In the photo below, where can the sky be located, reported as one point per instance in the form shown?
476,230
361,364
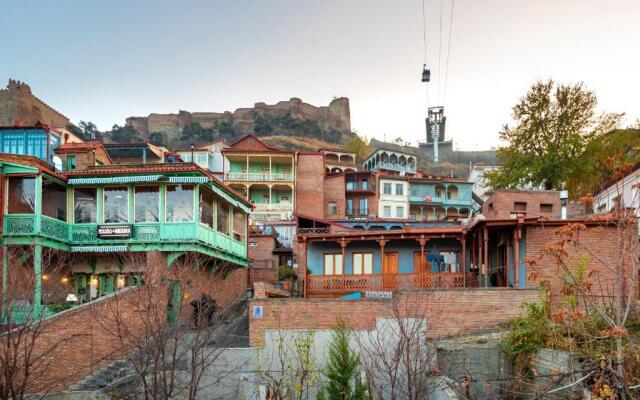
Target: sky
103,61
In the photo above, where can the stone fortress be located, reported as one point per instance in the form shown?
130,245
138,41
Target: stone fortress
18,104
336,115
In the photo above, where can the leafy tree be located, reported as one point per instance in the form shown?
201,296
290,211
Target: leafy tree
225,128
400,141
261,125
196,133
158,138
124,134
554,124
359,146
343,382
90,131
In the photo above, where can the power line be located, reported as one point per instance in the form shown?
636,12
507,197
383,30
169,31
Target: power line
446,70
424,31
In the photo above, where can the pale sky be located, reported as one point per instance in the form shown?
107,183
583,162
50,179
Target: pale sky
103,61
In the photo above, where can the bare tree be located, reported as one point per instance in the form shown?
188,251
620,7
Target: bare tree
171,349
26,348
399,355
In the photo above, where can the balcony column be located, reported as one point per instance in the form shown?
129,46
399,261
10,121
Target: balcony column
507,261
270,194
485,236
37,270
516,257
463,260
270,171
305,247
5,274
247,169
382,243
422,243
343,250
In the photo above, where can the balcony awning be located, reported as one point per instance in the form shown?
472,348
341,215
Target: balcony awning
98,249
114,179
137,179
188,179
230,199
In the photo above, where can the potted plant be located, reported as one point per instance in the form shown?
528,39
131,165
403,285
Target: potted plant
286,276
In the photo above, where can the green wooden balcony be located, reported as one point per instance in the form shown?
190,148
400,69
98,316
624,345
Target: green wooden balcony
18,226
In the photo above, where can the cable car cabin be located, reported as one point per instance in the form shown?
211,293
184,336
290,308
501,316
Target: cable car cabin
426,74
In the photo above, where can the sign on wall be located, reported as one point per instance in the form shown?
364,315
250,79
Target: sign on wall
114,231
258,311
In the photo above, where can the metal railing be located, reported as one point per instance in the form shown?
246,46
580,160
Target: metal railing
259,176
273,207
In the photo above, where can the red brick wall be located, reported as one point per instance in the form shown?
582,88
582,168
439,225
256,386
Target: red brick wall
448,312
334,187
263,251
83,339
309,184
501,204
599,240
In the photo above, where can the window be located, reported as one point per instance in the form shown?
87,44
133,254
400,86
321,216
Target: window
351,185
349,206
21,194
387,211
239,224
85,208
206,208
399,189
201,158
265,199
399,212
364,183
362,263
386,188
179,203
71,162
222,209
333,264
332,209
520,206
284,199
147,203
546,208
363,206
116,205
54,200
286,171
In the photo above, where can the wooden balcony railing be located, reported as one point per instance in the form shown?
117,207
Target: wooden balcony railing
343,284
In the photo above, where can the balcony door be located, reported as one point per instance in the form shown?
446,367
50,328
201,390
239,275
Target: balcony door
390,271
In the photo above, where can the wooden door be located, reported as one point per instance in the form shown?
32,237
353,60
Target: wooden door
390,271
421,270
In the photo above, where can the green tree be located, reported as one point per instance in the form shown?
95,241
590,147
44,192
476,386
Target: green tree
553,125
359,146
90,131
124,134
261,125
194,132
158,138
343,382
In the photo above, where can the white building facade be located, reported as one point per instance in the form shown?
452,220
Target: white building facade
393,201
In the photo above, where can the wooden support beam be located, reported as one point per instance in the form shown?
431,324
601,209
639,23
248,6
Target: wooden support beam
463,261
37,270
485,237
516,257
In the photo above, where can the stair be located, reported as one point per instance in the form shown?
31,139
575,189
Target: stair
104,377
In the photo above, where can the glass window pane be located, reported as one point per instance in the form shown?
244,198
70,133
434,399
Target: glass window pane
328,264
357,264
239,224
147,202
22,195
179,203
338,264
206,207
54,200
116,205
222,208
85,205
368,263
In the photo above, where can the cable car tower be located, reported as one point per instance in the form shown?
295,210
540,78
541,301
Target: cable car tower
435,121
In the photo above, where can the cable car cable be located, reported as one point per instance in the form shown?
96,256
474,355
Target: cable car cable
440,52
446,68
